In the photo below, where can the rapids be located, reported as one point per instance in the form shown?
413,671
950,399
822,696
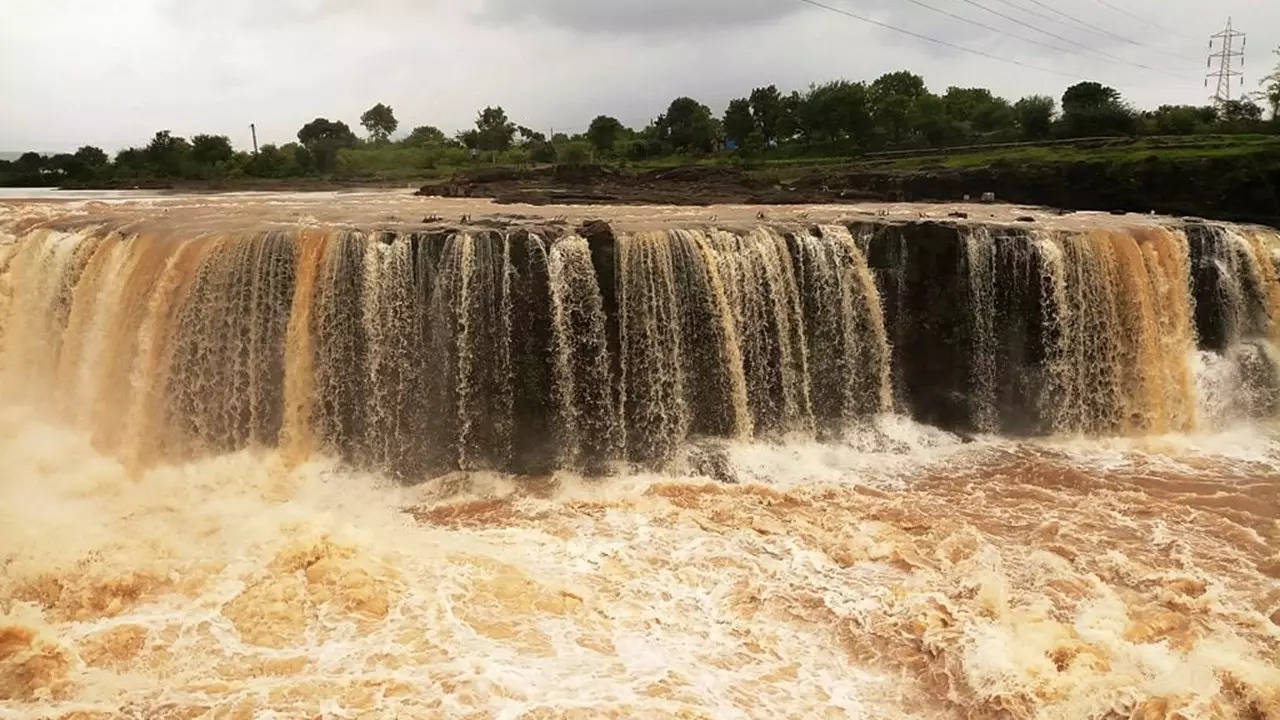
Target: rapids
304,456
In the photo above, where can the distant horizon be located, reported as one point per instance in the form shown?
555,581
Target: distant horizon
200,66
406,126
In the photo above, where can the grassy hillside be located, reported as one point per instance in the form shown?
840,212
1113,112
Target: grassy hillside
397,164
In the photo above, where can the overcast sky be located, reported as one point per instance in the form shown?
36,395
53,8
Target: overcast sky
112,72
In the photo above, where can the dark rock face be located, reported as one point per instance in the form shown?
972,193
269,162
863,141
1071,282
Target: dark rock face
919,269
1207,281
1223,188
925,277
533,405
604,257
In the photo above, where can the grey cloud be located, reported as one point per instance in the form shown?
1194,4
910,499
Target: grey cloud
289,12
217,65
629,17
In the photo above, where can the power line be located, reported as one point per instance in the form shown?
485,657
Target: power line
1141,19
1109,56
1027,10
935,41
1024,38
1082,23
1099,30
985,26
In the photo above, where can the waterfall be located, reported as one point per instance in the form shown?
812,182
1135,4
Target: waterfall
588,430
1087,332
764,302
529,350
1237,287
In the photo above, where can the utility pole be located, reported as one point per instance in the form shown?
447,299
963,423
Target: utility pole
254,131
1226,60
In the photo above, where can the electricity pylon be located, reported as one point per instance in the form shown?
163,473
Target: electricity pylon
1226,61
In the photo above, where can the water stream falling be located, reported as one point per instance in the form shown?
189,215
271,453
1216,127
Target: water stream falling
293,466
400,351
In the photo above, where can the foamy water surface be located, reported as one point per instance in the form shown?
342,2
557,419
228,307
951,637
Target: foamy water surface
900,573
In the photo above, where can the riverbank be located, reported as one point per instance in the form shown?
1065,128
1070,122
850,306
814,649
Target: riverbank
1218,178
1222,177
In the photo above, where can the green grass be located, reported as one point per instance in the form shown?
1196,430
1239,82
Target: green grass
410,164
1183,148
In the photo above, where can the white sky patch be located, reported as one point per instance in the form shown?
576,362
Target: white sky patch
112,73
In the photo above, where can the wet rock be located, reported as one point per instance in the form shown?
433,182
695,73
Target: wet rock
712,460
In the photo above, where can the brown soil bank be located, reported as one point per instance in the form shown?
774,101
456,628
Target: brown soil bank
1241,188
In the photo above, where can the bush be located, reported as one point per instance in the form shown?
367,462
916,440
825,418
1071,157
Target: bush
575,153
636,150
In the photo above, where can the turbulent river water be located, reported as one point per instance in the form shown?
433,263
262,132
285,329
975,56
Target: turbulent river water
336,456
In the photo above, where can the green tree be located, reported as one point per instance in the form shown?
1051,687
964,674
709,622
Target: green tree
529,136
426,135
575,153
604,132
1179,119
536,146
322,129
29,163
380,121
269,162
902,82
1240,112
541,151
893,97
838,112
687,126
167,155
494,131
789,121
70,166
1090,108
92,157
323,138
931,122
768,111
302,161
211,149
131,162
738,122
1088,96
978,110
1034,115
1270,93
66,165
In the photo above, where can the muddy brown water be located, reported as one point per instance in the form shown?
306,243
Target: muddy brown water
889,569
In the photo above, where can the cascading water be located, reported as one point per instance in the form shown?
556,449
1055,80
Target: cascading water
201,410
414,353
1237,288
490,349
1103,317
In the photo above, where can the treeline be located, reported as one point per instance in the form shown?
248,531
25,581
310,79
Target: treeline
840,118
